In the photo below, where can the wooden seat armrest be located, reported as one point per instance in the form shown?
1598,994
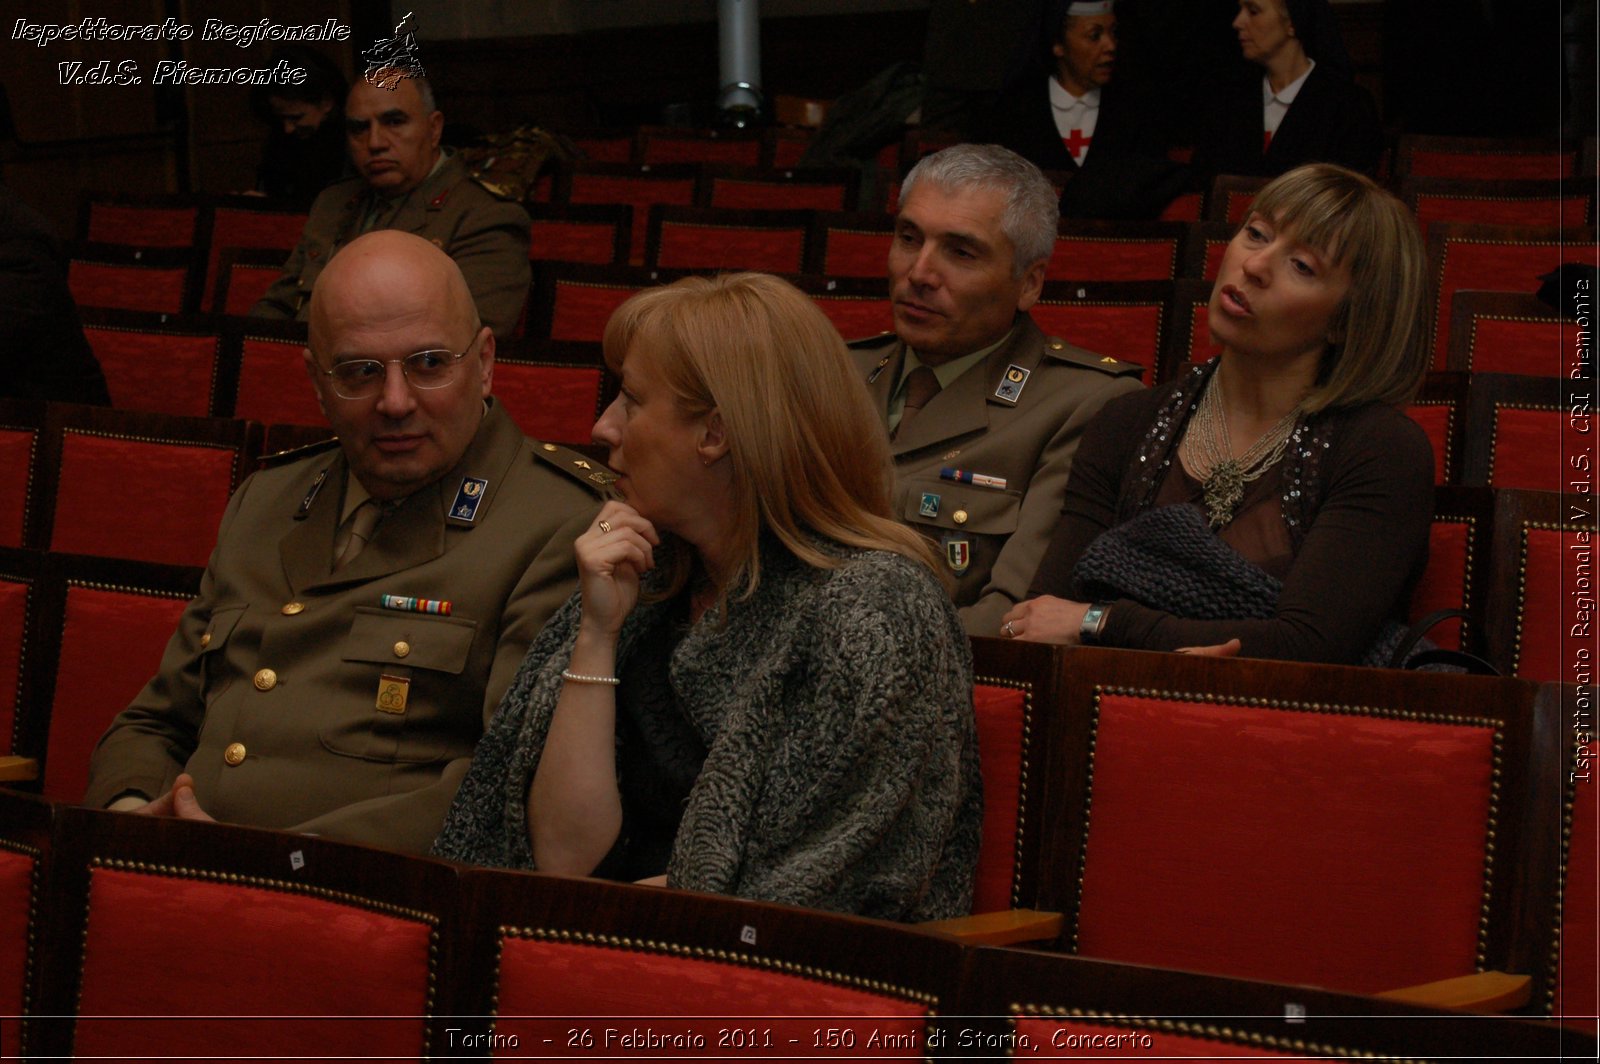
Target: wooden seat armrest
15,769
998,928
1479,992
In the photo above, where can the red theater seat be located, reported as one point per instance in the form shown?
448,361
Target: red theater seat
19,577
1440,408
1541,598
157,280
1231,196
1526,432
140,221
573,302
243,277
638,187
1116,251
264,374
245,222
1458,564
747,189
598,233
1484,158
555,395
25,830
20,427
1510,332
1520,203
1120,320
153,362
667,144
692,238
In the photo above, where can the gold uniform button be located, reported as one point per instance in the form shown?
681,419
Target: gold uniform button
292,608
402,648
549,446
959,517
266,680
1056,345
205,640
234,754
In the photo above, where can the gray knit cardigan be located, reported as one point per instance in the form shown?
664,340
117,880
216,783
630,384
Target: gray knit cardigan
842,764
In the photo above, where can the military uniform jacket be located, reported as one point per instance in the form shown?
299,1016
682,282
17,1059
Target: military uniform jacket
991,539
487,236
269,691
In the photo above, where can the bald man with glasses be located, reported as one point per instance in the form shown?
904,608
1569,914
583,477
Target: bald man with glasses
367,602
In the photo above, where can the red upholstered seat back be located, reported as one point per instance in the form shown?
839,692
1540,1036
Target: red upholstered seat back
15,590
111,643
856,316
1485,262
1106,259
1517,345
1435,420
556,403
637,192
146,499
159,289
1184,208
232,227
1002,733
1553,617
204,953
1340,849
690,993
747,194
567,240
1127,331
606,149
660,147
1501,165
242,285
856,252
1529,449
1501,210
17,446
582,308
272,383
731,247
1445,585
142,226
155,369
18,902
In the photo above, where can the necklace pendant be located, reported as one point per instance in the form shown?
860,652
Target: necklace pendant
1224,488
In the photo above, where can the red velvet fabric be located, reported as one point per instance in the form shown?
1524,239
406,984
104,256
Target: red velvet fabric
1492,166
1444,583
573,241
16,454
1549,624
1048,1038
1532,348
775,196
272,384
16,901
668,149
544,985
693,247
1435,421
1083,258
204,956
1490,264
788,151
1239,205
638,193
999,711
855,317
1579,999
1186,208
100,284
147,227
1551,210
1215,249
233,228
156,371
555,403
13,628
582,310
606,149
856,254
1131,333
110,645
154,502
1528,449
246,286
1344,851
1201,345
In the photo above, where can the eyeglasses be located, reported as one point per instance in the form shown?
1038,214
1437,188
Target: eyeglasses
363,378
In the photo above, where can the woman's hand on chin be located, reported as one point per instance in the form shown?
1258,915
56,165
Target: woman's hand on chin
1046,619
613,554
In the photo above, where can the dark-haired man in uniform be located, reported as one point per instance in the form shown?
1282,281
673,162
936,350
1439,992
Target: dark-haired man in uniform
367,603
405,181
985,410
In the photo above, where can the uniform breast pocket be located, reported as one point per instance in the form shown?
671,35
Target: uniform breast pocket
405,672
939,506
213,641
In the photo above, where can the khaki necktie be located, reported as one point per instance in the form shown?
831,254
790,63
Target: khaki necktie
921,386
355,532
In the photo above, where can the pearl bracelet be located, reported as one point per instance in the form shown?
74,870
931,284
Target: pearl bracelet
578,677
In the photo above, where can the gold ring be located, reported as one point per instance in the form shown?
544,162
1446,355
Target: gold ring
605,526
1011,633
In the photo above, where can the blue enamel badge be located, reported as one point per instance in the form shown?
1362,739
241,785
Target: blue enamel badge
1010,389
930,505
468,496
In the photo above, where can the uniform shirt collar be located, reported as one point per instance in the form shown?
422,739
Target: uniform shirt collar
1062,100
1290,91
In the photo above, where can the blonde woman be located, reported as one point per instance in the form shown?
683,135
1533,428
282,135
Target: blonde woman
1275,496
761,687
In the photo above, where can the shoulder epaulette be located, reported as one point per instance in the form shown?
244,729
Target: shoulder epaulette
871,341
589,472
1066,352
294,454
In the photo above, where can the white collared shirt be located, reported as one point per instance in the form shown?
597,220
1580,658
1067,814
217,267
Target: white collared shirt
1274,105
1075,115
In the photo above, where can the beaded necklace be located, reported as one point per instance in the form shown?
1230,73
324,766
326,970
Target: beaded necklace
1207,454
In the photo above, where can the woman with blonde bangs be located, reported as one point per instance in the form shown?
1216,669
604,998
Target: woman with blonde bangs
1275,501
761,687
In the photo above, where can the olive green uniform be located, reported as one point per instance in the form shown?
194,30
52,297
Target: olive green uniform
269,693
485,235
1024,433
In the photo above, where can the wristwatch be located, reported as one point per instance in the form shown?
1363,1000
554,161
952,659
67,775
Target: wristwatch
1094,623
